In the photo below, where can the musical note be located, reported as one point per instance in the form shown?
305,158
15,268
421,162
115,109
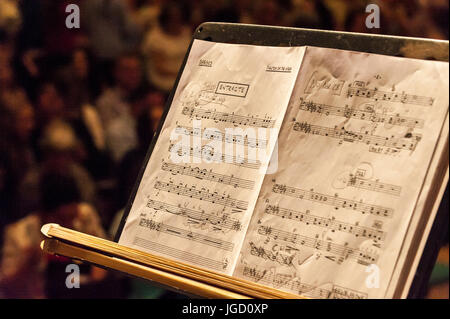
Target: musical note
202,194
375,186
263,253
329,223
366,115
228,117
223,221
186,234
358,89
408,142
180,254
335,201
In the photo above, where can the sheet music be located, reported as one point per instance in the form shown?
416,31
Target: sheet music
354,149
202,181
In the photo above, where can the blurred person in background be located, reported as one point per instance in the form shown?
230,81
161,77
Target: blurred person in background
145,13
111,32
29,46
17,121
16,126
419,18
55,143
311,14
165,46
117,108
80,88
10,90
60,149
44,43
133,160
50,107
25,271
83,121
10,17
79,81
59,41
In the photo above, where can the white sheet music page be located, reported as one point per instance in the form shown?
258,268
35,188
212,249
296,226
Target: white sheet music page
202,181
354,149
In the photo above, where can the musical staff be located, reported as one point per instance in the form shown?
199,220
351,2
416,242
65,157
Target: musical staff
196,216
291,283
342,251
335,201
409,142
206,152
375,186
202,194
180,254
329,223
204,174
358,89
368,114
228,117
186,234
216,135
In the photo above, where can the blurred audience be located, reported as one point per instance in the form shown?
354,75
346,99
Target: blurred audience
110,29
26,272
116,107
165,46
79,107
17,119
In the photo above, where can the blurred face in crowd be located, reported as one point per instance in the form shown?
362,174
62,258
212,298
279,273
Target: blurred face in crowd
50,102
24,123
6,75
80,64
5,53
128,73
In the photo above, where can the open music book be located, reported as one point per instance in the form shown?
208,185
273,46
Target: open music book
313,171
